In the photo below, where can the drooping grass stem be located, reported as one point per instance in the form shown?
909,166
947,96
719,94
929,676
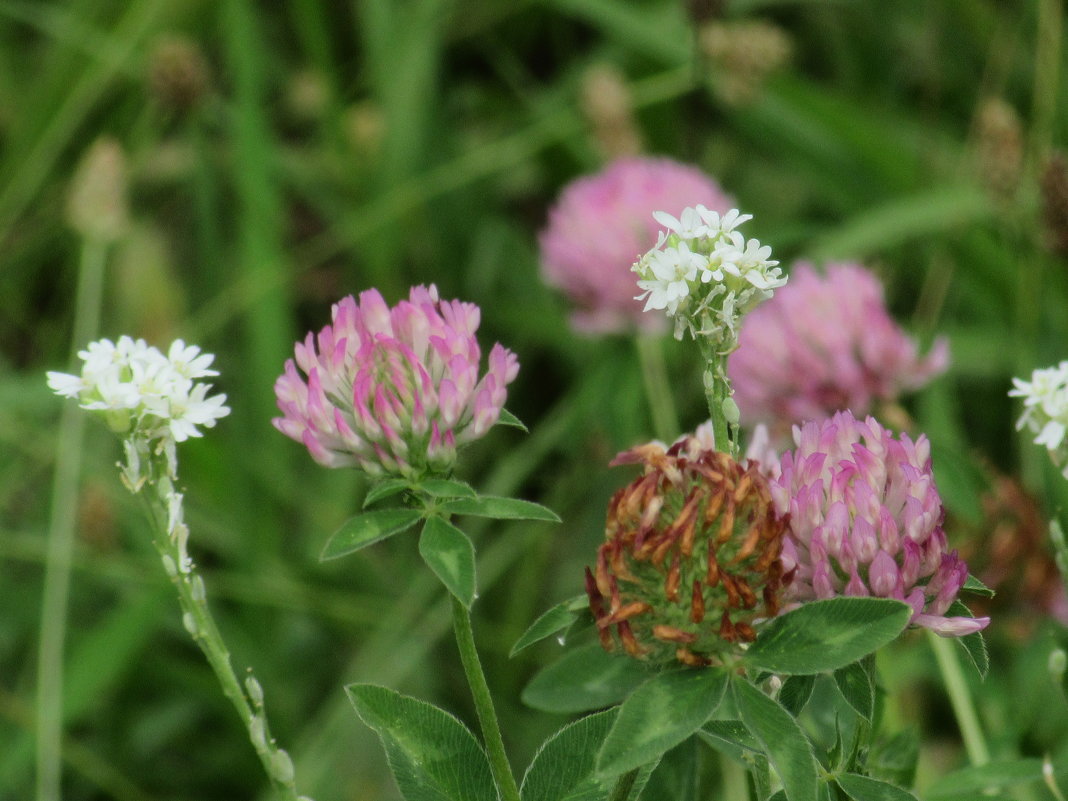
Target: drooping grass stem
657,387
61,536
960,698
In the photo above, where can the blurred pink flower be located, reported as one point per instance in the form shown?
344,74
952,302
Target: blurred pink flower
824,344
393,391
603,223
866,519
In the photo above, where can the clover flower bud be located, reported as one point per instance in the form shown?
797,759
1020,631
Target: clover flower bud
690,562
865,519
706,275
823,344
393,391
601,223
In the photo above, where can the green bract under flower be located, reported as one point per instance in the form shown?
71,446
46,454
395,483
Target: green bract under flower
690,561
706,275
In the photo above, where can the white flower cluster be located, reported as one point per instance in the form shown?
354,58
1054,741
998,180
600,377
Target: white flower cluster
706,275
1045,399
139,390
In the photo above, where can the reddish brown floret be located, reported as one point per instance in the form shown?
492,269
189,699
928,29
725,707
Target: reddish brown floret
695,519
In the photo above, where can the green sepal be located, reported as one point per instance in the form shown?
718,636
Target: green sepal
432,755
974,644
976,587
795,692
386,488
564,766
894,760
449,552
863,788
825,635
499,508
559,618
659,715
446,488
368,528
508,419
584,678
856,684
782,739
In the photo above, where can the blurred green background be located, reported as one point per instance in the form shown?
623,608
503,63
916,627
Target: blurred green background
280,155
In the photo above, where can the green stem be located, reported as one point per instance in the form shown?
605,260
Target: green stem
1047,77
487,716
735,783
200,623
657,388
49,722
717,392
625,783
960,698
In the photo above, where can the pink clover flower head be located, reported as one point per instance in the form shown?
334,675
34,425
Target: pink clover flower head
393,391
822,344
866,520
603,223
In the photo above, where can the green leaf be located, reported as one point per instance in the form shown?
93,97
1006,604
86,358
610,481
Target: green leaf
676,775
563,768
826,635
499,508
367,528
659,715
433,756
446,488
385,488
970,782
974,644
861,788
894,760
509,419
732,738
559,618
795,692
976,587
585,678
855,684
451,555
783,741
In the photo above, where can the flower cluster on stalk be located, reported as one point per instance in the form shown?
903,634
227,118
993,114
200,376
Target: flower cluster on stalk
150,399
703,273
393,391
690,560
865,519
1045,399
153,401
601,224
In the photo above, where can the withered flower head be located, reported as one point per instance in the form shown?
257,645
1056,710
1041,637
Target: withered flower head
690,560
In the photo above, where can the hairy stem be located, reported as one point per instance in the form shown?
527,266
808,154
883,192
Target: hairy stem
199,622
487,715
